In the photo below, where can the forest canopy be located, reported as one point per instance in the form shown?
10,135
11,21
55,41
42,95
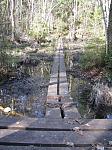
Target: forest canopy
26,20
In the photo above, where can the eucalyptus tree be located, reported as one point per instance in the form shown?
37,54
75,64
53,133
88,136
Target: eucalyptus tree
109,32
105,7
36,17
4,18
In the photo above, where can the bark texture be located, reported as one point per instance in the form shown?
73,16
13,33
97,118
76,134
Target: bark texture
109,30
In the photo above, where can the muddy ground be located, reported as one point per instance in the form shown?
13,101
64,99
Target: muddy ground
88,88
25,90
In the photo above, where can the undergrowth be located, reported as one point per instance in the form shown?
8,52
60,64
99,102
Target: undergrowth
94,54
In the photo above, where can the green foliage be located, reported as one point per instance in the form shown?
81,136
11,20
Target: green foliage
90,18
39,32
64,10
62,28
109,75
7,59
94,55
4,57
108,60
65,1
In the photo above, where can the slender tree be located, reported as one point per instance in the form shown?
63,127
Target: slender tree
109,31
12,17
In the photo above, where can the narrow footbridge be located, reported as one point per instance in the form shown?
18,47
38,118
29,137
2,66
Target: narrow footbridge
62,128
59,102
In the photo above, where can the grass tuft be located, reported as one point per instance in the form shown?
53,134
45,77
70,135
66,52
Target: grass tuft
94,54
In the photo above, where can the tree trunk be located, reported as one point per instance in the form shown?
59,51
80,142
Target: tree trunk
31,13
75,11
12,17
109,30
44,9
105,10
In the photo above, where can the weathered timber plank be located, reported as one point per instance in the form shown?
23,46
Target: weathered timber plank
63,78
56,138
52,89
70,112
46,123
53,113
61,124
34,148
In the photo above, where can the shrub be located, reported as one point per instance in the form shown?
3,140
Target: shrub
94,55
39,32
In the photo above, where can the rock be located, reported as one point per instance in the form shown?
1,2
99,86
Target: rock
7,110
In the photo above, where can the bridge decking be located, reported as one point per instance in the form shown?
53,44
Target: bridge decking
55,133
62,128
58,90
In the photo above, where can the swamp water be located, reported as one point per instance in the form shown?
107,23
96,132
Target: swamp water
81,90
26,94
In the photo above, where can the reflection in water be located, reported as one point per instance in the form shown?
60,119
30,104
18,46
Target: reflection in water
79,95
43,69
77,87
27,94
80,90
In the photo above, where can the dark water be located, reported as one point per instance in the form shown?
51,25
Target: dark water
26,93
80,95
80,90
77,87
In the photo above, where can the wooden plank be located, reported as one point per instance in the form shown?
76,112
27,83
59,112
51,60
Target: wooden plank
97,124
70,112
63,78
34,148
46,123
53,113
59,81
54,138
61,124
90,133
52,89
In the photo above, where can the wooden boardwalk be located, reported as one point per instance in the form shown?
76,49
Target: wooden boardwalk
62,128
59,103
62,134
